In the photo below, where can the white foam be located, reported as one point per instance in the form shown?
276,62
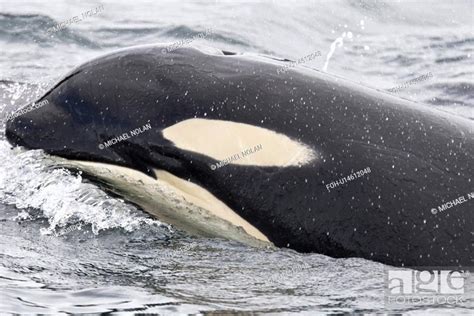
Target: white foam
27,182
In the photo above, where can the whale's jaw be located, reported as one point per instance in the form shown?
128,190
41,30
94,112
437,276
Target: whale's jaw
175,201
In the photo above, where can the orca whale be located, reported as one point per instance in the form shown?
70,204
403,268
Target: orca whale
224,144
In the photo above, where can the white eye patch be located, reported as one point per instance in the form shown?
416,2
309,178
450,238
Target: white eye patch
238,143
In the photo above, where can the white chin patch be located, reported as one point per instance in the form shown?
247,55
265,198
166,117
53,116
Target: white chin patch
238,143
173,200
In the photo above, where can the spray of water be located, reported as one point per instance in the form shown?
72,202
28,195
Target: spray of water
339,42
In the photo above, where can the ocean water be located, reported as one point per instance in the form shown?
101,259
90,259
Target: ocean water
66,246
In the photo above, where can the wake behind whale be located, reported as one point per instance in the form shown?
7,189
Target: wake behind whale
314,129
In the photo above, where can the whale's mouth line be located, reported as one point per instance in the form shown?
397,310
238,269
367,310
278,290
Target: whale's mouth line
171,199
13,138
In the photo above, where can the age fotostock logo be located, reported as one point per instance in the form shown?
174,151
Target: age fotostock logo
425,286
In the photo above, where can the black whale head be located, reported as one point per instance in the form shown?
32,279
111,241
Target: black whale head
114,95
103,100
177,93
